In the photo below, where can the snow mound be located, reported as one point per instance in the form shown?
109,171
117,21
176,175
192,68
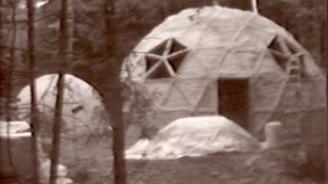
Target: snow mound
13,127
194,136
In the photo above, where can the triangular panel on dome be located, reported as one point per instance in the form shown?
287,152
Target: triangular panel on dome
316,92
192,88
265,97
210,57
268,65
208,99
192,35
239,62
230,29
243,24
290,99
250,32
192,67
175,99
210,39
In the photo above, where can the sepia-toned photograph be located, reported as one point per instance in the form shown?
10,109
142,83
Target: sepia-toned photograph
163,91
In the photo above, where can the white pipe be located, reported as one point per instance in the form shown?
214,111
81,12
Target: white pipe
254,6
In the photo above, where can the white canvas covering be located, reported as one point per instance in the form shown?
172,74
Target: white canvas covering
81,102
194,136
183,58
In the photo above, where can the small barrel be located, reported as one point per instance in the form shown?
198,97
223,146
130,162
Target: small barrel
273,131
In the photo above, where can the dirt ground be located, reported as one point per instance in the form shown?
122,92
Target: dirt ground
91,164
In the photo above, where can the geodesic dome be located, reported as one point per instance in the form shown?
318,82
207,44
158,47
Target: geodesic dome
83,111
216,60
193,137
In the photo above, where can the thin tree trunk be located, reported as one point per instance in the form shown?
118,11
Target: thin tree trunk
1,64
34,118
9,87
113,99
118,137
64,52
323,43
110,32
57,129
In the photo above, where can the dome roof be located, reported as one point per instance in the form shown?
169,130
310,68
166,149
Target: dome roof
217,37
186,59
215,26
195,136
81,107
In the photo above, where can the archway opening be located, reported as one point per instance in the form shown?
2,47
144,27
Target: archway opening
86,131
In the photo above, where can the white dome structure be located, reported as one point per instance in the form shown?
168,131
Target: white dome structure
216,60
82,105
194,137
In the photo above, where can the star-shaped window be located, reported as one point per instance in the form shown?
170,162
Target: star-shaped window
164,60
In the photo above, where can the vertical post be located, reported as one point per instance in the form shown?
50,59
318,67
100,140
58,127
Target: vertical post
254,6
273,133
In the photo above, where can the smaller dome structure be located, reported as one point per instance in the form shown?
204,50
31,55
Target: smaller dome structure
83,111
196,136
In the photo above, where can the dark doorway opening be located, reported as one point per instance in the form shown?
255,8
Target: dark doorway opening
233,100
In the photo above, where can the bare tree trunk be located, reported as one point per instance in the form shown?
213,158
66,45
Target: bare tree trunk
110,32
9,86
323,43
57,129
118,135
34,118
65,51
1,63
113,99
